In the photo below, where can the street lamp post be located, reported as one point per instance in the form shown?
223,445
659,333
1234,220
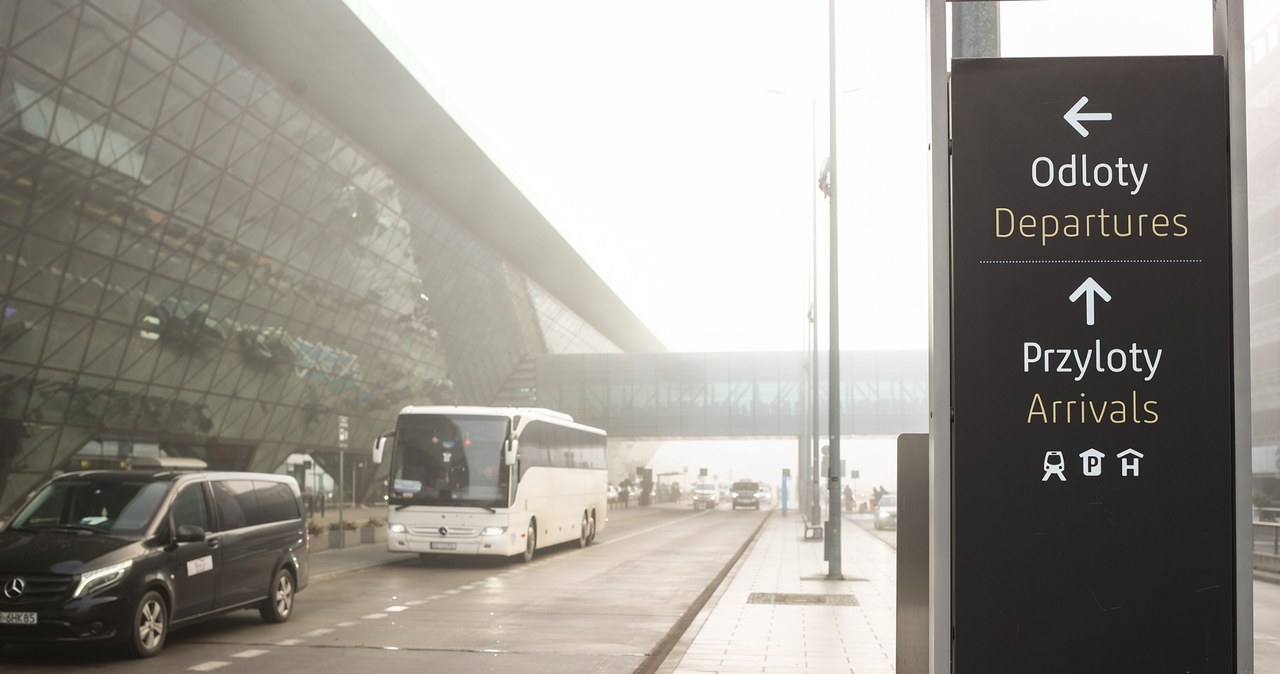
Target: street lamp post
815,510
832,541
808,487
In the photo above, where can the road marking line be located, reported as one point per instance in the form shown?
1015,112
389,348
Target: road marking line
208,666
318,633
395,609
375,616
251,653
346,624
290,642
645,531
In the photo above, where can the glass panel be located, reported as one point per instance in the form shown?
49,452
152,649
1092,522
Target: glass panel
99,75
39,271
164,33
106,348
83,287
125,12
41,39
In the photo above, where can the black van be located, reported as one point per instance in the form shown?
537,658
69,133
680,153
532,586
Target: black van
745,494
125,556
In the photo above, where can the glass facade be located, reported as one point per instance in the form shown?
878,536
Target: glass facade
191,259
734,394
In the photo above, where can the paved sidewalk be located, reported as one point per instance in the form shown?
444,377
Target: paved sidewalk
766,618
328,563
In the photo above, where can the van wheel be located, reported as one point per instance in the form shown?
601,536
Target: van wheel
150,625
278,605
530,542
584,530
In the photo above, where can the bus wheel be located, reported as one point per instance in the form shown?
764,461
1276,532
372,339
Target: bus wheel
592,539
584,531
530,542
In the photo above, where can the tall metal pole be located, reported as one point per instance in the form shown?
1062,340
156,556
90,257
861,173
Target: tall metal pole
833,420
342,523
815,509
940,544
1229,42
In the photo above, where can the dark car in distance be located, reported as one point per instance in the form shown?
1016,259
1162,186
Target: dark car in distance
745,494
123,557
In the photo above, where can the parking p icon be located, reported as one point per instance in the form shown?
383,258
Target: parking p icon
1092,460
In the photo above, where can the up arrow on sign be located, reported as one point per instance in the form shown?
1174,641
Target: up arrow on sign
1089,289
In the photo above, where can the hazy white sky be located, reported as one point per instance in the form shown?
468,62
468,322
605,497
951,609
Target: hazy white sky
674,143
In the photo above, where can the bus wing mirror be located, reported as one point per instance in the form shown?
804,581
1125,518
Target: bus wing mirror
509,452
379,445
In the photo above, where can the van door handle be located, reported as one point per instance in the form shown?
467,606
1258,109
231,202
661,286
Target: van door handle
213,543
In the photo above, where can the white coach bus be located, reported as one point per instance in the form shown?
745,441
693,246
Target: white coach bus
492,480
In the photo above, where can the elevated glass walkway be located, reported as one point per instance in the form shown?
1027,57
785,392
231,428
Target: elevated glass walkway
725,395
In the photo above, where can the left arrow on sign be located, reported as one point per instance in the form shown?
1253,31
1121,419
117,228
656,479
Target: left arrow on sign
1074,117
1089,289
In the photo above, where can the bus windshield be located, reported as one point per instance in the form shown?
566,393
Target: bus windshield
446,459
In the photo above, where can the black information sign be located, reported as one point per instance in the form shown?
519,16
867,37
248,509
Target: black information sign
1092,378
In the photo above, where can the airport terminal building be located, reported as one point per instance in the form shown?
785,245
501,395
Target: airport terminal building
236,231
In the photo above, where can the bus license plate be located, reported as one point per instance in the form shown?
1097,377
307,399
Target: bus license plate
444,546
12,618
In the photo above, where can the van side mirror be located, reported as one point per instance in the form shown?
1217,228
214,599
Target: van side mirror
509,452
189,533
380,445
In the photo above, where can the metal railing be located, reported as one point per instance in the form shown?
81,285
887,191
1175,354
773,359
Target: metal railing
1266,538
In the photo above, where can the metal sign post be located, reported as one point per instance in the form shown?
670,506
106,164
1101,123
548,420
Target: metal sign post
342,446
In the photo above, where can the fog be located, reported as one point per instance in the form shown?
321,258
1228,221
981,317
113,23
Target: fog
875,459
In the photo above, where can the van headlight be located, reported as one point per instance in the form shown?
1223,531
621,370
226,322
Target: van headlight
398,529
493,531
98,579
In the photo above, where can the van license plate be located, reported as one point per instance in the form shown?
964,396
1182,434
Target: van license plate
11,618
444,546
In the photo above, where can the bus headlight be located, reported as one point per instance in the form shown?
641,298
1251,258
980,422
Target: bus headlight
493,531
398,529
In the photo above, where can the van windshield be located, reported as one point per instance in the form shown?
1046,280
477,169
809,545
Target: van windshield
95,505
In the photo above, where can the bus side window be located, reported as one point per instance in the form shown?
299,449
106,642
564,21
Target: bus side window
532,448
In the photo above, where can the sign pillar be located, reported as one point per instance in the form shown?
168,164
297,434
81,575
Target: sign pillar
1092,372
